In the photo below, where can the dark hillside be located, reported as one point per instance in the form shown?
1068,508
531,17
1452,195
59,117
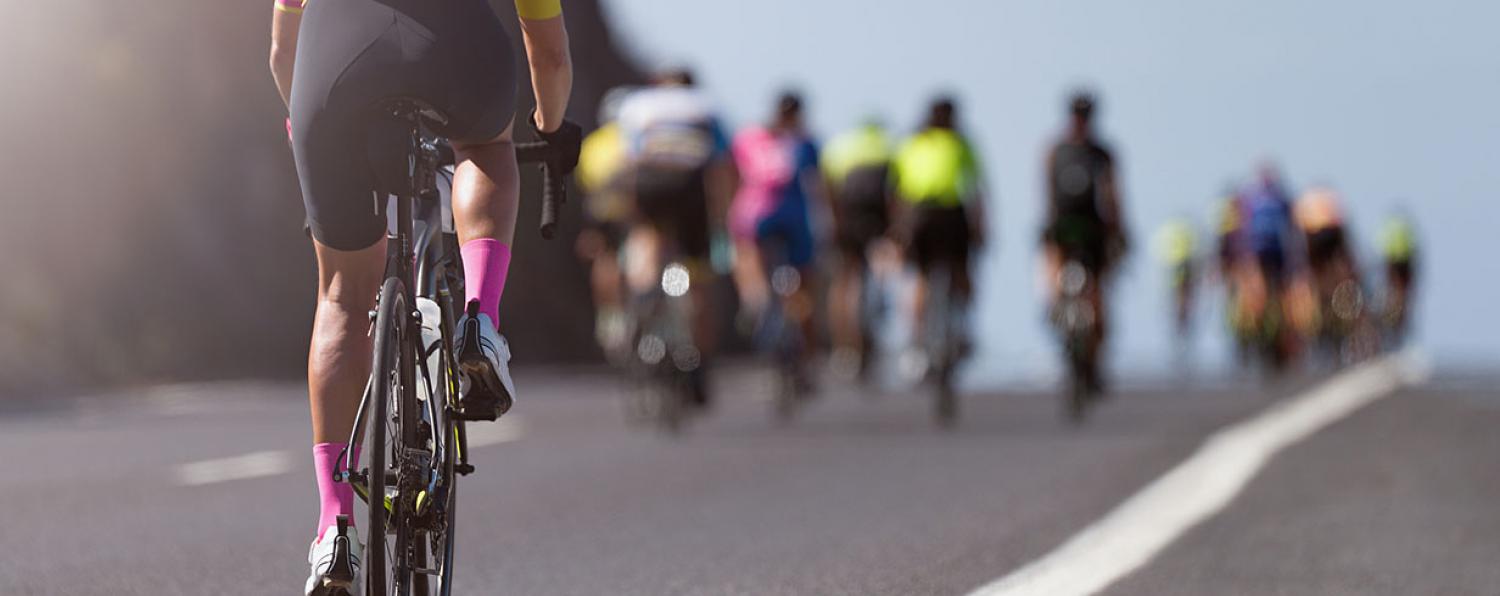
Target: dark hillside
152,224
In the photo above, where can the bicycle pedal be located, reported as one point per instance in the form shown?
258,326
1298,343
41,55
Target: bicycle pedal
463,469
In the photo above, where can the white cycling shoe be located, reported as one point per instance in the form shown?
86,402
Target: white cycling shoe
336,562
486,391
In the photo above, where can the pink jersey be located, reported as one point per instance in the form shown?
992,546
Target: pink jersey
769,165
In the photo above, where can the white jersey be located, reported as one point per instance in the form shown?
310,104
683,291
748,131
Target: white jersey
671,126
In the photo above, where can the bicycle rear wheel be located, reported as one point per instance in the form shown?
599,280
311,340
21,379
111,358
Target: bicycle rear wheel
390,323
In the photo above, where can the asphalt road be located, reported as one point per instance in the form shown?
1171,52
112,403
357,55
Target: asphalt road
861,495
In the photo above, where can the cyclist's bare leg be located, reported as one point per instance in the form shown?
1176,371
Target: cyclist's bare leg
338,364
338,361
919,306
750,277
1052,263
486,189
604,280
803,304
642,259
844,306
486,195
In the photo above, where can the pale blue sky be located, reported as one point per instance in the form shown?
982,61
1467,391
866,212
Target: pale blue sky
1394,103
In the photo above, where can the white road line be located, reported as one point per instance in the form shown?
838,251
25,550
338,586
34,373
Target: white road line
271,463
1141,527
250,465
504,430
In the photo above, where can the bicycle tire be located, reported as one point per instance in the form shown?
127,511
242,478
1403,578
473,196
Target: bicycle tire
390,314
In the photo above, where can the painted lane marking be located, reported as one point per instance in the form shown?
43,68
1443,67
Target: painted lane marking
1128,537
504,430
240,467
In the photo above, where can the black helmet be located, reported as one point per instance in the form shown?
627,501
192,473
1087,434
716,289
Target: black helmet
1082,103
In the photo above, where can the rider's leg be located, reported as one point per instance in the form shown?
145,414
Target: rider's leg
1052,263
750,277
338,362
844,305
486,194
643,259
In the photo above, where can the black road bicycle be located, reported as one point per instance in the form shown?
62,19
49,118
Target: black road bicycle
415,437
1076,323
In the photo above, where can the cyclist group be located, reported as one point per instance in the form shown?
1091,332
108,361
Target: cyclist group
667,182
758,205
1293,277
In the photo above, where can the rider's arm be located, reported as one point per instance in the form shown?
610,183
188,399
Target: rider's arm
1050,184
284,24
723,176
975,207
1110,204
546,39
816,185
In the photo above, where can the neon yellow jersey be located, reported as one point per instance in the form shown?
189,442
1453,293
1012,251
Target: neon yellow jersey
936,167
601,161
538,10
1230,219
865,146
1176,242
601,157
1398,241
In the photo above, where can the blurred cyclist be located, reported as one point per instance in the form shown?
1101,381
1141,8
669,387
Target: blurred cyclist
1332,271
856,165
770,219
350,55
1085,220
1320,216
1398,246
603,176
682,176
938,181
1176,246
1266,273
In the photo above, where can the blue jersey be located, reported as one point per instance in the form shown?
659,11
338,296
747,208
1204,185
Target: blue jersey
1268,218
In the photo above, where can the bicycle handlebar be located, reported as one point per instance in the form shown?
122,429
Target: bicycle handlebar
554,186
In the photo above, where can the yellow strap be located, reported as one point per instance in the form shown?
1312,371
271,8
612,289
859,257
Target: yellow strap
539,10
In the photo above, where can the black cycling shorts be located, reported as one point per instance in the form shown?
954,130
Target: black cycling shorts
940,235
1080,238
453,55
1324,245
675,201
863,214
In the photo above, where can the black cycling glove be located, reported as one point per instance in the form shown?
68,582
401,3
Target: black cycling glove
565,144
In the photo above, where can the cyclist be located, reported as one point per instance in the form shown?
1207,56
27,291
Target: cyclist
937,179
603,176
770,219
1398,246
1176,245
1320,218
678,152
1085,220
856,166
332,65
1232,264
1269,265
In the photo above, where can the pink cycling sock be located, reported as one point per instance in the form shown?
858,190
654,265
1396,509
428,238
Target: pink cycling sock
486,262
334,498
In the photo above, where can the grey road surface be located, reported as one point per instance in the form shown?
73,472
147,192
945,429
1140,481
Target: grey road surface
861,495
